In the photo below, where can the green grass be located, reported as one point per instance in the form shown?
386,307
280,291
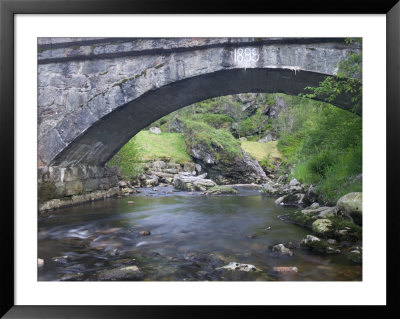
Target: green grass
219,142
145,147
261,151
164,146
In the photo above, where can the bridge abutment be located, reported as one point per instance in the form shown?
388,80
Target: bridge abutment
56,182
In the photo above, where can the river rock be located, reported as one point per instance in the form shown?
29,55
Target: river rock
314,243
309,239
191,183
275,189
351,204
321,226
294,182
240,267
155,130
150,181
120,273
145,233
280,250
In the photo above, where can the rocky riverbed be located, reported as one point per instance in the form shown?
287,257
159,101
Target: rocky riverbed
161,233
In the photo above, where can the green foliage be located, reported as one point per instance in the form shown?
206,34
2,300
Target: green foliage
323,142
348,80
127,160
219,142
252,125
215,120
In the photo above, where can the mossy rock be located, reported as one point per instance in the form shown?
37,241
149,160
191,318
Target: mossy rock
314,243
351,204
303,219
321,226
344,230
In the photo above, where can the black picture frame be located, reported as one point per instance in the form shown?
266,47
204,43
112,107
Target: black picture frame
8,10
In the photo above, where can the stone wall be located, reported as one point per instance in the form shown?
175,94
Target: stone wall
59,182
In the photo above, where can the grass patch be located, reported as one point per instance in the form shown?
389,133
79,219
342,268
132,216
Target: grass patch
145,147
164,146
261,151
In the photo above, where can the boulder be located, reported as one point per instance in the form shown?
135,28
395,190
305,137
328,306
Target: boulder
321,226
187,182
226,168
351,205
155,130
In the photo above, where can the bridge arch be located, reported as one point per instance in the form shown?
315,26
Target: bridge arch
94,94
97,145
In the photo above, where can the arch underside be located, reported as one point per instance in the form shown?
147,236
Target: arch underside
98,144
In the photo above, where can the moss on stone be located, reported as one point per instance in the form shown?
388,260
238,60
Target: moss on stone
303,219
219,143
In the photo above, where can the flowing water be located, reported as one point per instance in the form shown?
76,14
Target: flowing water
192,235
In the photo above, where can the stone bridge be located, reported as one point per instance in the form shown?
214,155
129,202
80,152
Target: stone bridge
94,94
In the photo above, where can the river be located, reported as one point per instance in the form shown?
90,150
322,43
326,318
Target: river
192,235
